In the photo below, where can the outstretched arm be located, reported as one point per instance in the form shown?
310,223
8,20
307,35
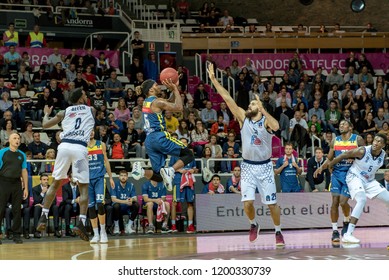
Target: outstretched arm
238,112
164,104
354,153
46,123
270,121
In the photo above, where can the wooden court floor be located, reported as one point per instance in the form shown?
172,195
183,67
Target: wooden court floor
300,245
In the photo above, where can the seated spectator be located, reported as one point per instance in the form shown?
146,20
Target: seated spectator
12,59
48,166
23,77
352,78
90,78
98,102
37,147
5,101
231,143
380,119
332,116
40,78
43,100
121,112
118,150
314,139
171,122
125,202
115,126
134,141
385,128
184,190
314,121
207,160
366,77
154,195
39,193
288,168
219,129
26,102
182,130
113,87
326,144
57,95
367,125
26,137
335,78
137,116
111,10
214,187
217,151
58,73
229,166
70,205
6,132
370,28
319,112
208,115
80,65
297,120
183,9
233,183
18,113
189,108
200,97
80,82
199,137
363,61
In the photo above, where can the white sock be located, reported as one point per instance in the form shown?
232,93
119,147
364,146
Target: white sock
83,219
102,229
130,223
277,228
173,222
253,222
45,212
116,223
96,231
346,219
334,226
350,228
190,222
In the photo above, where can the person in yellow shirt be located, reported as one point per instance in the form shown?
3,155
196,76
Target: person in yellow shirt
36,39
10,36
171,122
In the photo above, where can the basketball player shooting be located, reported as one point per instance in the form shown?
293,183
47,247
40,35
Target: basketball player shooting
257,169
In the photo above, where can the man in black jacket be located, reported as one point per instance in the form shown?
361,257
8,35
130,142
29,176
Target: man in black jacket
69,206
321,182
39,194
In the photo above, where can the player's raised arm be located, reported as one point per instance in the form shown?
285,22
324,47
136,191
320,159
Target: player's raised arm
164,104
238,112
46,123
270,121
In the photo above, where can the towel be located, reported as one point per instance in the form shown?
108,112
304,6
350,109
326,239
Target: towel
219,189
161,212
235,182
187,179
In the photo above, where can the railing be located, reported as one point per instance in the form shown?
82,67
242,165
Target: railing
42,8
313,138
126,56
158,31
90,38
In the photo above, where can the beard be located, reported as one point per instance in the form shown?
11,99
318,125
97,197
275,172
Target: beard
250,114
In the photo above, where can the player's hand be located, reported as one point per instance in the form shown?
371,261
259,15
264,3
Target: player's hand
211,71
47,110
317,172
260,105
286,163
294,164
112,182
25,193
170,85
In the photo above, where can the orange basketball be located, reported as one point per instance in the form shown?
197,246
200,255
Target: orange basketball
169,73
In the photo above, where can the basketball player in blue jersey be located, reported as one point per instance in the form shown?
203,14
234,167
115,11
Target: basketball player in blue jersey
159,142
257,169
98,166
77,124
361,180
340,194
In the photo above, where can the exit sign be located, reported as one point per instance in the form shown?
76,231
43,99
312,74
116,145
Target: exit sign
20,23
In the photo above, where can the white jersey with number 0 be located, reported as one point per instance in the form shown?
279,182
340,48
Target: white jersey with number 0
256,140
77,123
366,167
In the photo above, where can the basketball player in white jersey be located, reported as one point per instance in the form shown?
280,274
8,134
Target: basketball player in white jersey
77,125
257,169
361,180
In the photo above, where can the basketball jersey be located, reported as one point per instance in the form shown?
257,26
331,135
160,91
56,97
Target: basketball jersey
153,121
124,193
256,140
96,160
340,147
366,167
154,192
77,124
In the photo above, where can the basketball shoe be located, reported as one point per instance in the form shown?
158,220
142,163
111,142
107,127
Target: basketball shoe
279,239
253,234
349,238
137,171
167,176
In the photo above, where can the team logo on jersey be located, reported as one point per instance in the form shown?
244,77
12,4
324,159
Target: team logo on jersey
255,140
379,160
72,115
19,158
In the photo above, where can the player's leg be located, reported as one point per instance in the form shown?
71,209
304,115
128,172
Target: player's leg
334,214
92,211
150,216
133,213
100,194
176,200
357,192
189,197
80,172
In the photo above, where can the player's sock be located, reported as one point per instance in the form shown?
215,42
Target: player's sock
102,228
116,223
130,223
346,219
164,225
83,219
334,226
277,228
350,228
96,231
45,212
253,222
190,222
173,222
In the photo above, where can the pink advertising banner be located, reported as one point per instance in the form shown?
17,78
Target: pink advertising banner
270,61
40,56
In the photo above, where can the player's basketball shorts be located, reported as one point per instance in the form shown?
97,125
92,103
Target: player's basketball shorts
184,195
159,145
339,185
96,191
74,155
258,177
357,184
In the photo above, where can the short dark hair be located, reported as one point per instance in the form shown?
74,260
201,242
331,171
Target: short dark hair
215,176
383,136
123,171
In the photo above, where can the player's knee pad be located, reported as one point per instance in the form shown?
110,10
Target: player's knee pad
92,212
100,208
186,156
156,177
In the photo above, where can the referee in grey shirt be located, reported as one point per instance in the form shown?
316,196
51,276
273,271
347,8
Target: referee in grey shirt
13,168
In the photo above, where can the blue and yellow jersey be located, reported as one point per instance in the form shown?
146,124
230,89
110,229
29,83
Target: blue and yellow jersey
96,160
153,121
340,147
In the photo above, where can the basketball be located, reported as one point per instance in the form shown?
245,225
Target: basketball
169,73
